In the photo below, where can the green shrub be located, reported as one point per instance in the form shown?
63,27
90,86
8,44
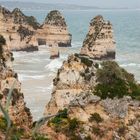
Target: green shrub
32,22
95,117
3,124
86,61
114,81
62,115
73,124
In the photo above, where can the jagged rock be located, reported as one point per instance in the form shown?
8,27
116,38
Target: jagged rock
18,30
54,31
99,42
20,18
24,33
19,113
102,96
77,74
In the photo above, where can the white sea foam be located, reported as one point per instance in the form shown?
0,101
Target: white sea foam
24,77
54,65
130,65
50,87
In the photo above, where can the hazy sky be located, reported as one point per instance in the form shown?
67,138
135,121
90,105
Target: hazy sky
99,3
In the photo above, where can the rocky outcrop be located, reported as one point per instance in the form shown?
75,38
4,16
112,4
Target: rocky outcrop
24,33
75,75
99,42
54,31
101,100
18,112
18,30
54,51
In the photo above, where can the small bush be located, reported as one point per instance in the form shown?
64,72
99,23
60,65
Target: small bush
59,118
3,124
95,117
73,124
86,61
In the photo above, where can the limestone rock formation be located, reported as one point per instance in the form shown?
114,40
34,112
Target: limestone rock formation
54,31
96,100
75,75
99,42
54,51
18,30
24,33
19,113
102,102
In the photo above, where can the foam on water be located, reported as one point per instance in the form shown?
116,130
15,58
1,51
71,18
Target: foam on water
130,65
54,65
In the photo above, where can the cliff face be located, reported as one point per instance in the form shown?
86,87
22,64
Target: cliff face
18,30
54,31
19,113
99,42
23,33
76,75
99,100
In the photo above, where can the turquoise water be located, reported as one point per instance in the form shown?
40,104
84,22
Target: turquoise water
36,71
126,24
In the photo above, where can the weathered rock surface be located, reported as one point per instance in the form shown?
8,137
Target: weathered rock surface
24,33
101,98
99,42
77,74
54,31
19,113
18,30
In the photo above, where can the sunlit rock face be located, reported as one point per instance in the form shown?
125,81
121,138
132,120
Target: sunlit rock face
18,30
101,98
99,42
24,33
77,74
19,113
54,31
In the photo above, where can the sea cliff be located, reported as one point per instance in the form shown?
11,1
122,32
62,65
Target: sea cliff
96,99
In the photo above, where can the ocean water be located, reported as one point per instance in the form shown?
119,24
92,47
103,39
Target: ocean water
36,71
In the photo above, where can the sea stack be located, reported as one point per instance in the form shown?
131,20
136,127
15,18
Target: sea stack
18,30
18,112
54,31
95,100
99,42
54,52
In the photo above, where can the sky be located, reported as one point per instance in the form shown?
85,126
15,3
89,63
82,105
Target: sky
98,3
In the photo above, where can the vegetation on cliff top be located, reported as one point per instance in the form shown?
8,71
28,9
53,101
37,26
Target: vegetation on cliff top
19,17
55,18
63,123
114,81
